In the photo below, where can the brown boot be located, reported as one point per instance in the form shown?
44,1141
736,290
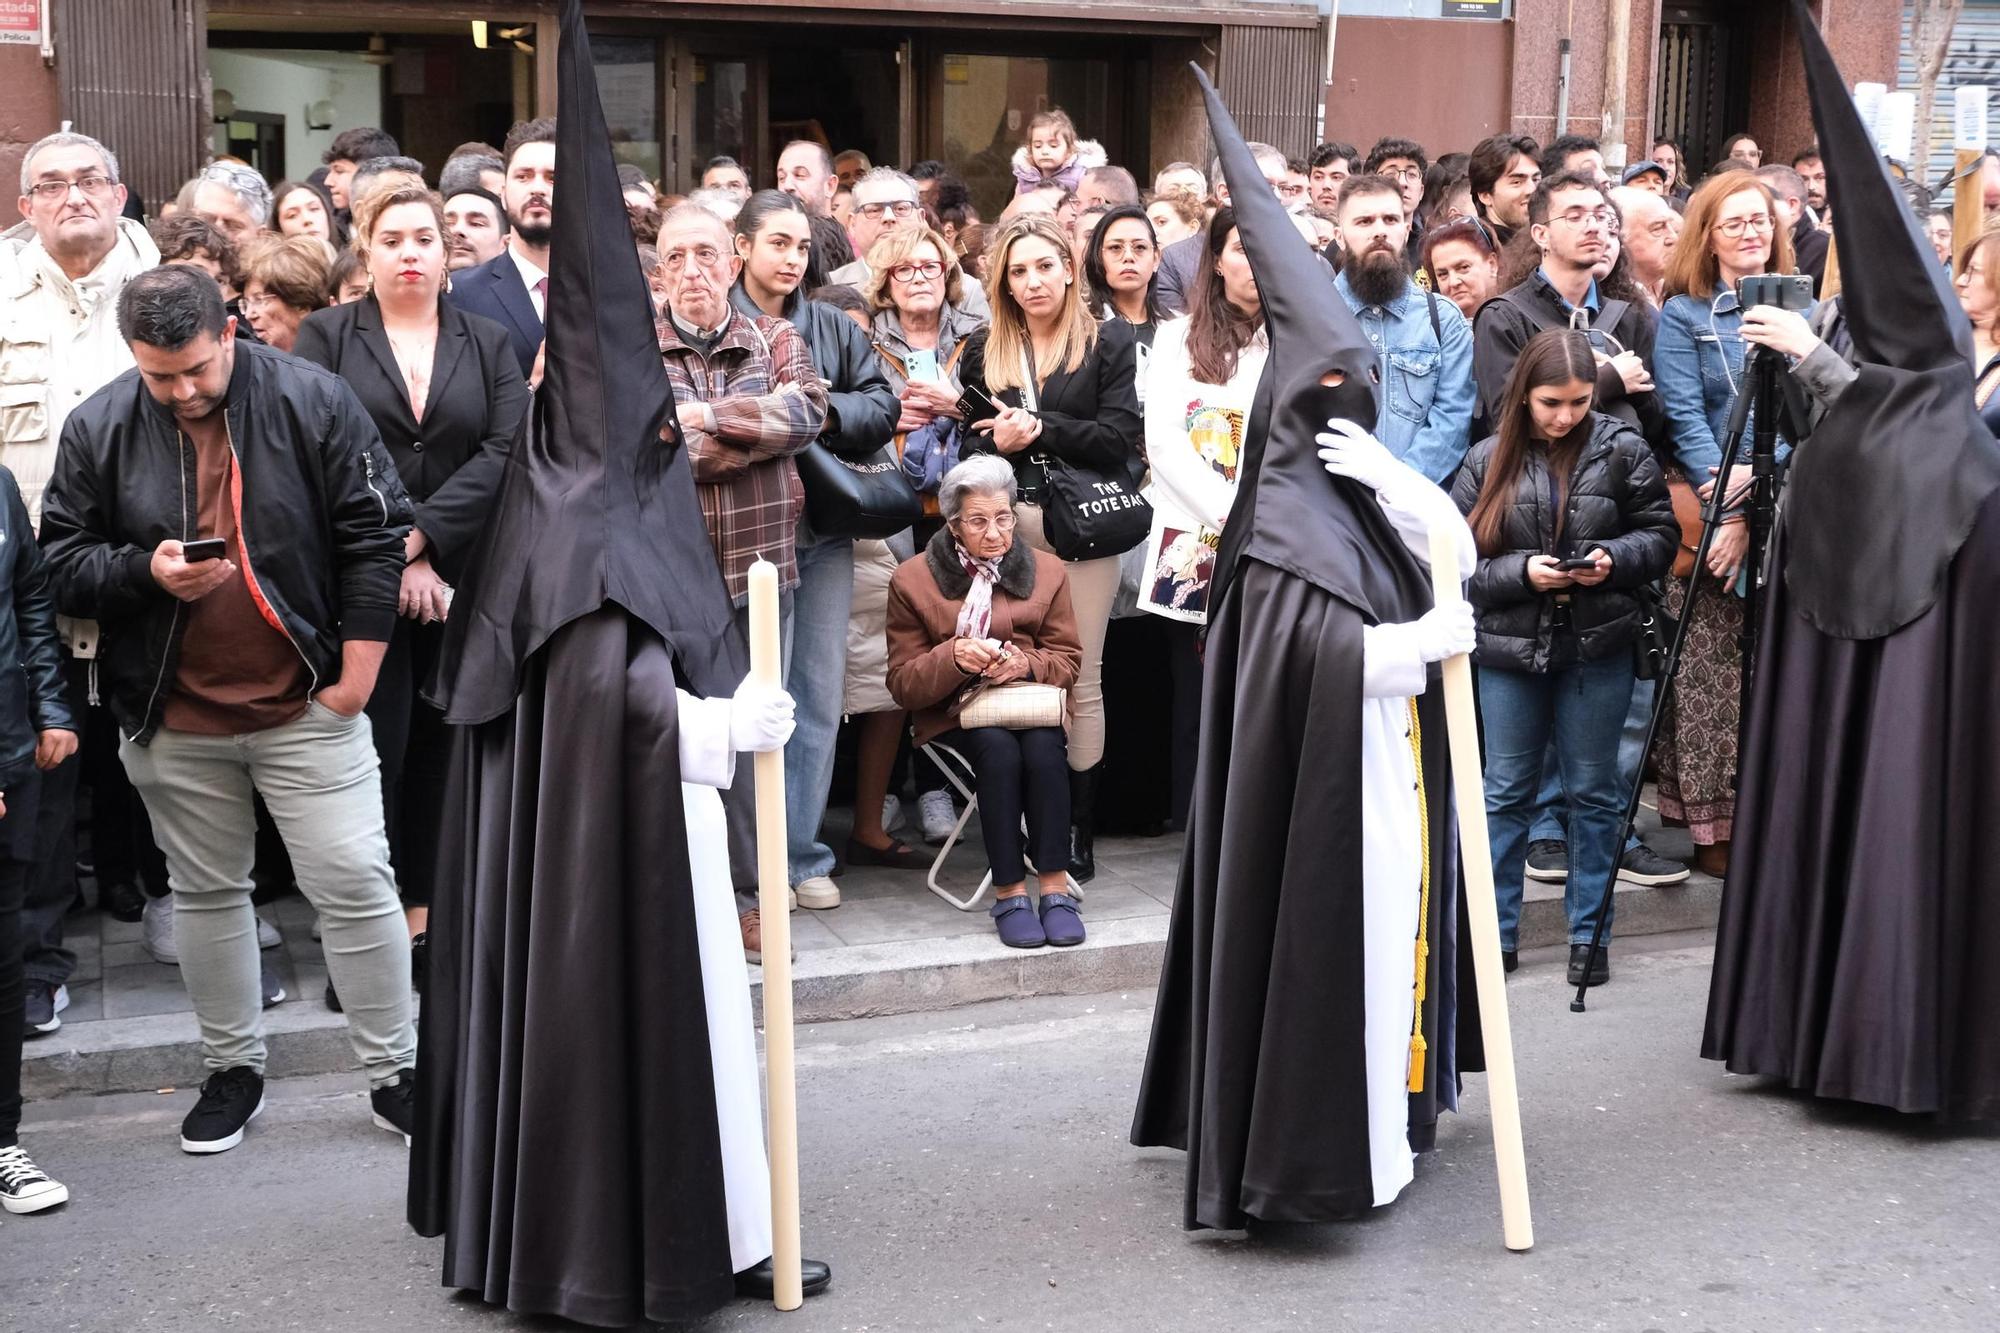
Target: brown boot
753,936
1712,859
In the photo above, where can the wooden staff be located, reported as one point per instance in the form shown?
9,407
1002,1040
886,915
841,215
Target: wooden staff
774,909
1968,203
1468,791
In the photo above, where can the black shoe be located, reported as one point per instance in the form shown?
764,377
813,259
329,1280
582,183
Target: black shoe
395,1105
420,960
1643,865
1083,823
760,1282
1548,861
122,902
333,1000
1509,959
230,1100
1599,967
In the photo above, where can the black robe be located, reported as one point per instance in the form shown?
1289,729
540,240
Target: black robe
1860,924
567,1145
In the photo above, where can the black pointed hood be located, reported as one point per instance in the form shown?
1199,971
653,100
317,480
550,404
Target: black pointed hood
595,508
1289,512
1886,489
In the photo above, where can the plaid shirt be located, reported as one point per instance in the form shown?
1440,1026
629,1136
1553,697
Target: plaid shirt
769,403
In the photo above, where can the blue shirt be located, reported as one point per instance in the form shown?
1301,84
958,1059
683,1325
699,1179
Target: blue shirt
1427,394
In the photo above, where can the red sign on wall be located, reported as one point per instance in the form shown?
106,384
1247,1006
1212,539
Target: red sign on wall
21,22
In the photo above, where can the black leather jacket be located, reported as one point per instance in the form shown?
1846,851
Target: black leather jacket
323,518
1616,499
32,698
861,408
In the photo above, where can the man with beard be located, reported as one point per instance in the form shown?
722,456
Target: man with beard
1423,346
512,288
476,226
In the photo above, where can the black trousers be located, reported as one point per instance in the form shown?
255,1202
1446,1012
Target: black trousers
1017,773
121,836
17,850
51,887
414,747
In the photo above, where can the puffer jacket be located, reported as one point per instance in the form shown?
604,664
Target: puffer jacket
321,513
1616,499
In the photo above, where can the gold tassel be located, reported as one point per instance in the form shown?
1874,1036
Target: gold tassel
1418,1046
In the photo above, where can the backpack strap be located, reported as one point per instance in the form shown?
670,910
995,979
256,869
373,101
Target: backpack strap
1609,314
1437,328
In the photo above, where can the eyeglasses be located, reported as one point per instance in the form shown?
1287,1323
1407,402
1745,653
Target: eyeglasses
1000,523
93,187
1579,215
901,208
702,256
1403,173
1733,227
930,270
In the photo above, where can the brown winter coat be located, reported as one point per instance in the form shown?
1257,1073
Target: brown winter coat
1031,610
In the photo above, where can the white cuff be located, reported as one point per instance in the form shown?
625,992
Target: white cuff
1392,667
706,759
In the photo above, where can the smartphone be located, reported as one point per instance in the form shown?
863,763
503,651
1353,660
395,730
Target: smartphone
1787,291
975,404
924,364
214,548
1580,562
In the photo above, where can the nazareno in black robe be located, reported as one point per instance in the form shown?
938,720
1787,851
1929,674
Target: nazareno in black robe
567,1144
1256,1062
1860,922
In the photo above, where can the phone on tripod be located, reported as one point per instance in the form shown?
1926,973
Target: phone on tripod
1787,291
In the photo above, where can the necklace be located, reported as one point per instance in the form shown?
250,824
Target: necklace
413,358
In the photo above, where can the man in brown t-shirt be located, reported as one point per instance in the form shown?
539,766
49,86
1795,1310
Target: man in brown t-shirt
245,672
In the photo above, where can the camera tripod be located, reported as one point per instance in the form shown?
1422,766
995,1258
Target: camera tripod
1768,389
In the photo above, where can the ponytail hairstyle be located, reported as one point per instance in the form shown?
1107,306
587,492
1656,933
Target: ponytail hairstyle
759,208
1553,356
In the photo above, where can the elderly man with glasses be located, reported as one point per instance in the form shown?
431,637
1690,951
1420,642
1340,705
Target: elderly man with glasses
60,278
885,199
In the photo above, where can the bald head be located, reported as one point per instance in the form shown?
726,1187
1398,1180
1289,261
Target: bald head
1651,229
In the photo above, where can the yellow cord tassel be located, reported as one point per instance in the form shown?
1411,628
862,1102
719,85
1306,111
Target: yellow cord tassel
1418,1046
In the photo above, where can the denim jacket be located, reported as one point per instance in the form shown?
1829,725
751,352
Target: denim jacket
1427,394
1697,369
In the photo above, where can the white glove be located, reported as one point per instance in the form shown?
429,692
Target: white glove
1446,630
1349,451
760,718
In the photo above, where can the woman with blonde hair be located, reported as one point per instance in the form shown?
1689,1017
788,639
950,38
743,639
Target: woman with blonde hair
1054,386
1731,233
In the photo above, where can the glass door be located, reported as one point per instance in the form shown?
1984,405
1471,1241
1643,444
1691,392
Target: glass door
720,106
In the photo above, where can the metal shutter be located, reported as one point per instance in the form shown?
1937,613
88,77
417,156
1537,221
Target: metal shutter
1271,80
132,76
1974,58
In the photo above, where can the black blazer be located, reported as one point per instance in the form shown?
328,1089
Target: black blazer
494,290
451,462
1090,416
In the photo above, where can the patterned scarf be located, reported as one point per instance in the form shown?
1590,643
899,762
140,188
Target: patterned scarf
975,618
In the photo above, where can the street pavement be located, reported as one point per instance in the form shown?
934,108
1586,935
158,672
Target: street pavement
969,1170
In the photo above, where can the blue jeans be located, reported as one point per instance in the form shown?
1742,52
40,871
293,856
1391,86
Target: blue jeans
1552,812
1582,708
816,678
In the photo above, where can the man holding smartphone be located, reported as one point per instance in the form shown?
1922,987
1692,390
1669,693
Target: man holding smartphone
244,672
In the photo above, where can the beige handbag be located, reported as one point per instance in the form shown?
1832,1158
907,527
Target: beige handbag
1019,705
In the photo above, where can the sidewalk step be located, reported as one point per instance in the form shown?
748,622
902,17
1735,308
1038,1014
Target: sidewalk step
828,985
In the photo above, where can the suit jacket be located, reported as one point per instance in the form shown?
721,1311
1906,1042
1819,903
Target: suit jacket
1178,263
452,461
494,290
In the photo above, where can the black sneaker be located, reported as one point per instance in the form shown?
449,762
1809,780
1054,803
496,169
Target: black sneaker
333,998
269,988
395,1105
1599,967
41,1007
24,1187
1510,959
230,1100
1643,865
1548,860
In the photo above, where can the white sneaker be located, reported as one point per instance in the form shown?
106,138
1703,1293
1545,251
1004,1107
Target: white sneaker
158,931
937,814
817,894
267,935
892,813
23,1186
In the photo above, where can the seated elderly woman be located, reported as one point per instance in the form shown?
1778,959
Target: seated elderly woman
980,608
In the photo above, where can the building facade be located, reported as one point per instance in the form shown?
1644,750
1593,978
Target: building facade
169,83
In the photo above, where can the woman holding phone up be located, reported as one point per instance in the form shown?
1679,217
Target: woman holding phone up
1571,516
